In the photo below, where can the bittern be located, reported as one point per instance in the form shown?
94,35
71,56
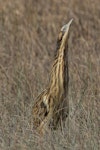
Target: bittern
51,106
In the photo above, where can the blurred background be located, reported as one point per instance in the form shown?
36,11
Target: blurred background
28,34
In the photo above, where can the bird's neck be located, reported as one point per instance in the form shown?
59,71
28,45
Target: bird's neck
59,73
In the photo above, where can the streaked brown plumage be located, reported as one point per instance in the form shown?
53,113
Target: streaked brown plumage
51,106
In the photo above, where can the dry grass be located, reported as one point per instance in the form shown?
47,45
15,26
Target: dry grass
28,33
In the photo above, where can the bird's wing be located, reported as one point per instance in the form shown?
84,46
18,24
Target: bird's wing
40,110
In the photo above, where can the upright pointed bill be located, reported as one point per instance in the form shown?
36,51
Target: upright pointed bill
65,31
66,26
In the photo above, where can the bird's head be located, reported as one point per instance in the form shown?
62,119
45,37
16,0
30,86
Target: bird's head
63,35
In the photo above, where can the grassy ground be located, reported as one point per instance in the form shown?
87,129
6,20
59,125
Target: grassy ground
28,33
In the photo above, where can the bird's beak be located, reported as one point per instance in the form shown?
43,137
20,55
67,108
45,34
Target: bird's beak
65,31
65,28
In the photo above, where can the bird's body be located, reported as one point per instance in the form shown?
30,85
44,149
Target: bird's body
51,106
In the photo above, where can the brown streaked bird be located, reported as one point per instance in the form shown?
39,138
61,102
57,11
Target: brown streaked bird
51,106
